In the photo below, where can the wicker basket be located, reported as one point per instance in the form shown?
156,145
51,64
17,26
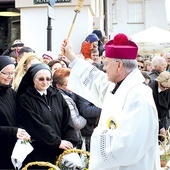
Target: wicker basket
46,164
58,162
79,151
166,155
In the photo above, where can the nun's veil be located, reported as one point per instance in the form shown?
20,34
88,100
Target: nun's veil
27,80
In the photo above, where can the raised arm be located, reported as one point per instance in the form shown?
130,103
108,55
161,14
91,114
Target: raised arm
67,50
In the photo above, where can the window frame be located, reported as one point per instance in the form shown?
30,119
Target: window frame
135,20
114,12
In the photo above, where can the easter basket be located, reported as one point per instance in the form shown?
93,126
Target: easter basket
42,164
164,149
63,162
69,163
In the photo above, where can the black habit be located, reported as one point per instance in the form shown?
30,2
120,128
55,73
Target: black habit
48,122
8,129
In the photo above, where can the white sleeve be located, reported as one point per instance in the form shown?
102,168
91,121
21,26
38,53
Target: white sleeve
88,81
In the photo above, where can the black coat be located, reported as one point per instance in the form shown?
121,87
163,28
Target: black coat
100,48
154,74
48,122
8,129
7,52
162,101
90,112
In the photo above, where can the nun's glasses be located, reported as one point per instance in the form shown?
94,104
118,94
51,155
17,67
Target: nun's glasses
8,73
44,78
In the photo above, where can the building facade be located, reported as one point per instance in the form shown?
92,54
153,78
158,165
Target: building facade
110,16
133,16
34,23
9,24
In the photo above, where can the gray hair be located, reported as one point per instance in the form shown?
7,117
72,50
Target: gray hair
129,65
158,60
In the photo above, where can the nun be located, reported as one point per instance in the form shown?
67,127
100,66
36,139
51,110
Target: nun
44,113
9,132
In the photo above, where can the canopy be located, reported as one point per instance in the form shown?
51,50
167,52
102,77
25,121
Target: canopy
152,40
151,35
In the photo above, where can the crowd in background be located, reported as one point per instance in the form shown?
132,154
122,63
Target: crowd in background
37,105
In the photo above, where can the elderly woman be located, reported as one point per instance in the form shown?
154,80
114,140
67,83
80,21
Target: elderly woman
9,132
45,114
161,95
60,79
80,107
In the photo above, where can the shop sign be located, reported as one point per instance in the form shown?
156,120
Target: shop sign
36,2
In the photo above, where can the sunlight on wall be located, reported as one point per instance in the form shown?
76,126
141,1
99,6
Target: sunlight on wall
167,4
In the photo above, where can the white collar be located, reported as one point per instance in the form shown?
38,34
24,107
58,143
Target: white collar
159,90
42,92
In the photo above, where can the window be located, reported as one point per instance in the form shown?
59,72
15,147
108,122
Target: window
114,21
135,11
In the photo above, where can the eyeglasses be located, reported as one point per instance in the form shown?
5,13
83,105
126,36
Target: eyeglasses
140,67
8,73
64,84
44,78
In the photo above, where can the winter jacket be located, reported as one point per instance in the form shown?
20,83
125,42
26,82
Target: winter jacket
89,111
79,121
154,74
162,101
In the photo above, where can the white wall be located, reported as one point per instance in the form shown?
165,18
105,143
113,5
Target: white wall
154,15
34,26
34,21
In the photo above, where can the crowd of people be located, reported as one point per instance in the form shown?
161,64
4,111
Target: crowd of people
157,76
107,97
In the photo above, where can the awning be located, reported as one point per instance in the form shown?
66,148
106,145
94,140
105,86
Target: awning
151,35
152,41
9,14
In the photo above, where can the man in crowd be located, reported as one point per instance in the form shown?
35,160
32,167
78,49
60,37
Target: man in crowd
127,134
